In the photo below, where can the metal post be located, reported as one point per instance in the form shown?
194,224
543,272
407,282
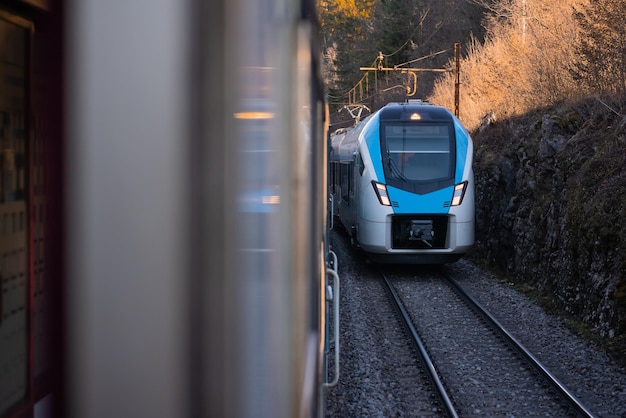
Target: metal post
457,57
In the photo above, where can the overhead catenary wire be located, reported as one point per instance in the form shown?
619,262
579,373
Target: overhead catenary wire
410,37
351,93
422,58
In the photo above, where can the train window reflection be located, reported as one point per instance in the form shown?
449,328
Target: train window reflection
258,175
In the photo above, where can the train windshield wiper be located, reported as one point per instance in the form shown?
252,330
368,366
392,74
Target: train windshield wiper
395,170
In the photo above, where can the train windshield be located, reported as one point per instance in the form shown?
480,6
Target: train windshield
418,152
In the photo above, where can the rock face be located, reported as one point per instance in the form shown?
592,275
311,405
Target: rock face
551,208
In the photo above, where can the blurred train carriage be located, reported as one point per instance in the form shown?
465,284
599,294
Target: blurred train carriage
164,229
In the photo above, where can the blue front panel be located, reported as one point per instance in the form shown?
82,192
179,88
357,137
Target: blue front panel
462,139
371,135
437,202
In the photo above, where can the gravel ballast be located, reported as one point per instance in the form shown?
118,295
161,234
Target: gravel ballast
367,385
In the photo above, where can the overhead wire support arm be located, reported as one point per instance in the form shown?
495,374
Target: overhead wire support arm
416,70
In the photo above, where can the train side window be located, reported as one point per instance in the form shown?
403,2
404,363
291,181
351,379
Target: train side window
358,160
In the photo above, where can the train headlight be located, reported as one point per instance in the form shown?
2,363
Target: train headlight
381,192
459,192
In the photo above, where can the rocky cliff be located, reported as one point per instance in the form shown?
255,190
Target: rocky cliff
551,207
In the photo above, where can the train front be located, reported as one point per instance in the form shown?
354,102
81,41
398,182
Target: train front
425,185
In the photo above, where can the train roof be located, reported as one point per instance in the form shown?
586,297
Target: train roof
412,110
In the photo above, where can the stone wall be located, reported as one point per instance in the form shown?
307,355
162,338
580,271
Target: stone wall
551,207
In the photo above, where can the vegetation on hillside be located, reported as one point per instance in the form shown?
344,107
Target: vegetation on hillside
517,54
538,53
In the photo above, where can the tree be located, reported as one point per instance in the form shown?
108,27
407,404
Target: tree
397,27
345,40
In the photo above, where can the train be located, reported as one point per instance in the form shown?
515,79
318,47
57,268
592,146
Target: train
402,184
164,250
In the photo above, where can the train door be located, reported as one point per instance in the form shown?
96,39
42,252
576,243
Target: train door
356,166
357,174
346,206
333,186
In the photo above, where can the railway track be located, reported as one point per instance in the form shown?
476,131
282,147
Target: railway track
427,363
386,377
381,375
475,365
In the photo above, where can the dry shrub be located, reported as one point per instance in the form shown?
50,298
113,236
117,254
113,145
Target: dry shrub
524,63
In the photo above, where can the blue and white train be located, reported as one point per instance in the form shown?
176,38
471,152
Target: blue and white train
402,184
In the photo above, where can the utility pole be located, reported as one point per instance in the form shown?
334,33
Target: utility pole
457,81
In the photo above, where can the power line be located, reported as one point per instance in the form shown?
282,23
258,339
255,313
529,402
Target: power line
410,37
422,58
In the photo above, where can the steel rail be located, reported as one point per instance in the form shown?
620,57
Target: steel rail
443,394
556,384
